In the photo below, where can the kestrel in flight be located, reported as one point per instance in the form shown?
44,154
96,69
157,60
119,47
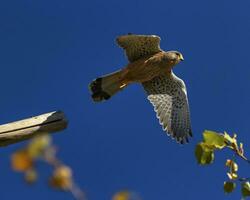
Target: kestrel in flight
152,67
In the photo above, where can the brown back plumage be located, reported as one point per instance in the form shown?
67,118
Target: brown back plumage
138,46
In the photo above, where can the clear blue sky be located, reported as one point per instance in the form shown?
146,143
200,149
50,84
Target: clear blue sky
51,50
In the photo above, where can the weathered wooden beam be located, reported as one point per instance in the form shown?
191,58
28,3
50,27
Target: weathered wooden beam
24,129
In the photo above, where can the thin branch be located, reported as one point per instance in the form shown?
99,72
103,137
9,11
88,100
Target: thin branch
239,154
49,156
77,192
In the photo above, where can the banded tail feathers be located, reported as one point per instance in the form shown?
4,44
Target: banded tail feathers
106,86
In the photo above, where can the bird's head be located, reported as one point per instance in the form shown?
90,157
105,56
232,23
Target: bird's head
174,57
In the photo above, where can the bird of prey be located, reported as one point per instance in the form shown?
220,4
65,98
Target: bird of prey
152,67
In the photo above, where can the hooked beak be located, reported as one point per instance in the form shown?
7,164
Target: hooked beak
181,57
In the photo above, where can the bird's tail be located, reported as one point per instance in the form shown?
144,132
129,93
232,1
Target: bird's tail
106,86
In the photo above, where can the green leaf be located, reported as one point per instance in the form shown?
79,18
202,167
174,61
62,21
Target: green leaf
234,167
231,141
232,176
204,154
245,189
229,186
214,139
38,144
31,176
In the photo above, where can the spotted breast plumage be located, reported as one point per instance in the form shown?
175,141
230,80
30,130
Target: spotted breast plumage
152,67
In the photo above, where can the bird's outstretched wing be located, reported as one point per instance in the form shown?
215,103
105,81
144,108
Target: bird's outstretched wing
169,98
138,46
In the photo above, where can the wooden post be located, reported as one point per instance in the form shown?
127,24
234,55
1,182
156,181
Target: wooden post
24,129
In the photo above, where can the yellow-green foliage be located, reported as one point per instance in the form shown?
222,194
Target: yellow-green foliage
213,141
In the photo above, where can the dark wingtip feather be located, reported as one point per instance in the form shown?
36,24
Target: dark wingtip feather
190,133
97,93
185,140
182,140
